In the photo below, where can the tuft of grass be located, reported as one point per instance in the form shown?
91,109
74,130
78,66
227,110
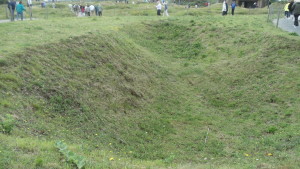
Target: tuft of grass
7,123
293,34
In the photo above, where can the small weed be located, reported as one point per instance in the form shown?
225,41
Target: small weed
203,56
197,45
7,123
3,62
8,77
38,162
213,29
160,37
71,156
38,28
293,34
5,103
272,130
288,112
170,159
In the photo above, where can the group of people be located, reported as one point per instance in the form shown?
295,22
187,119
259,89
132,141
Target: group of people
225,8
87,10
18,6
159,7
293,7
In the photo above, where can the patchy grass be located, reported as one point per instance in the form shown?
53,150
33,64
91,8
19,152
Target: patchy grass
187,91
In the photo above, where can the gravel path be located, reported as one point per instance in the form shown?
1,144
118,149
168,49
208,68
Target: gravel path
287,25
8,20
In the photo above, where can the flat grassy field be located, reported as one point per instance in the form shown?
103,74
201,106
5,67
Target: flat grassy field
134,90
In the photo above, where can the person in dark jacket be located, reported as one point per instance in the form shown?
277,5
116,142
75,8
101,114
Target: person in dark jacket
296,12
12,7
290,6
98,10
290,9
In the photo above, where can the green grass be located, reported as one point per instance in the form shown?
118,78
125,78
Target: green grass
133,90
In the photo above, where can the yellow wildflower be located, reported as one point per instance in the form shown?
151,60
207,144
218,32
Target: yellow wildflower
247,155
270,154
111,159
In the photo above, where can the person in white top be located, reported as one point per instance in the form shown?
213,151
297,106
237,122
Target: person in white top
224,8
158,7
92,9
29,2
166,9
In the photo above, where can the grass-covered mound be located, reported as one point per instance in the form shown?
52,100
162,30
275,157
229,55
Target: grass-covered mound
96,89
247,80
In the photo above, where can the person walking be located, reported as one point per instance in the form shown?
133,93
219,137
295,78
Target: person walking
224,8
158,8
233,5
20,8
290,9
286,11
296,12
12,7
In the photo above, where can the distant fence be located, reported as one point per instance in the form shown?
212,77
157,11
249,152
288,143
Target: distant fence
276,11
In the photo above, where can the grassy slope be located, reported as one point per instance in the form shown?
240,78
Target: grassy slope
153,91
252,93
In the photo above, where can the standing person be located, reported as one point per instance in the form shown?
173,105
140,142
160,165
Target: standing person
165,9
233,5
29,3
20,9
290,8
92,9
82,9
87,10
286,11
158,7
12,7
99,9
8,7
296,12
224,8
255,5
